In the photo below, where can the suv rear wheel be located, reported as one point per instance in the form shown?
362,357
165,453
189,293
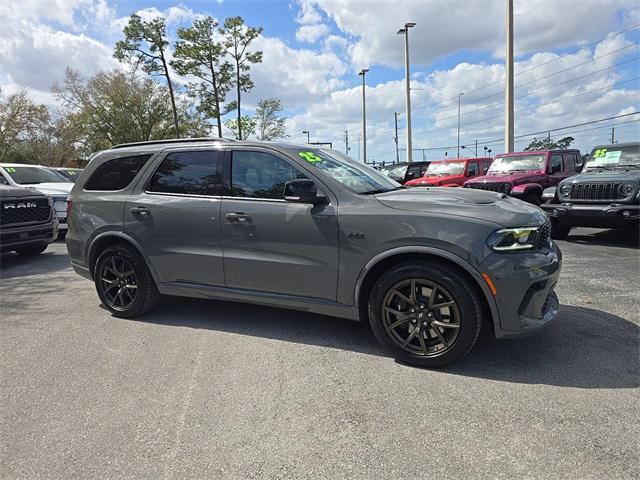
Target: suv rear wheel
124,283
426,314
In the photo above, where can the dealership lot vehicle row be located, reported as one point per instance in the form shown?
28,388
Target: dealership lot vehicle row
205,388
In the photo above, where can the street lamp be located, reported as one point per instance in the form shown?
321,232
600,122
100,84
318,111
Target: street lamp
487,152
405,31
307,132
459,95
363,73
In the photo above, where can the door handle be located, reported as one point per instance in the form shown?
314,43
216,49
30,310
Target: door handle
142,211
238,217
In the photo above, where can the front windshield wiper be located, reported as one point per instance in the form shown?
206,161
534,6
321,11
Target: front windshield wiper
625,165
383,190
599,167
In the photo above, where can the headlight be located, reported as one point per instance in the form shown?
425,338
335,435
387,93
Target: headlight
565,189
627,188
512,239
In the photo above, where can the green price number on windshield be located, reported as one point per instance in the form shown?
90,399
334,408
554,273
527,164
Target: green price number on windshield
10,170
600,152
310,157
71,173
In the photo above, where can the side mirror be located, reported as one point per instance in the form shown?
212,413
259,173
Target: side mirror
301,191
411,175
579,167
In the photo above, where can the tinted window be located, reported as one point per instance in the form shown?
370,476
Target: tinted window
556,163
116,174
260,175
414,171
191,173
472,169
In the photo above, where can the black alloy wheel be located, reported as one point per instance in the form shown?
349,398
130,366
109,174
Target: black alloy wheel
118,283
426,314
124,283
421,317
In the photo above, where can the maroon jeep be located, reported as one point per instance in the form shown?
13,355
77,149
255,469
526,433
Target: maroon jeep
526,174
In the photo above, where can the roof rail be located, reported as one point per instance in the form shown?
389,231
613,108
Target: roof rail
174,140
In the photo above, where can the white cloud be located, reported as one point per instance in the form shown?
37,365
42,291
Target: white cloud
448,26
311,33
297,76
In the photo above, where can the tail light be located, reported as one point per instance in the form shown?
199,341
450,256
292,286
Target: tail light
69,208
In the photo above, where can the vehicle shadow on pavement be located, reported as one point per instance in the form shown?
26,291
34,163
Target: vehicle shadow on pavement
627,237
13,265
584,348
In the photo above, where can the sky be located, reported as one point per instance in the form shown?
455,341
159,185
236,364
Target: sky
576,62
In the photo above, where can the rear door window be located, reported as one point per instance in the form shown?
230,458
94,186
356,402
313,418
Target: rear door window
189,173
116,174
556,163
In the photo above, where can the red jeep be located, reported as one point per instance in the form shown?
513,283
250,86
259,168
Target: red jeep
526,174
451,172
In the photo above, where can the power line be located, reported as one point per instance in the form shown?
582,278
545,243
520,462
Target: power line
615,34
533,92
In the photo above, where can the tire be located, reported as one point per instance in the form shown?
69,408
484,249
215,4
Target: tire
34,250
125,294
532,198
559,231
423,350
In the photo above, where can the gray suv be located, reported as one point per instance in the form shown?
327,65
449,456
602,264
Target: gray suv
311,229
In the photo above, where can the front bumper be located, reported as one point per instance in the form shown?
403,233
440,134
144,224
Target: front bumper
27,236
524,283
612,215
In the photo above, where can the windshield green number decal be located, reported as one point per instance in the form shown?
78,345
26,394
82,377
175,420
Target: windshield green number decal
310,157
71,172
10,170
600,152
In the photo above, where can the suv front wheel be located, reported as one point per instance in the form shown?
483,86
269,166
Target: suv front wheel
124,283
426,314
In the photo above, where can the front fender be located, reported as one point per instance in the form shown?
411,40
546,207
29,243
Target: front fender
461,262
525,188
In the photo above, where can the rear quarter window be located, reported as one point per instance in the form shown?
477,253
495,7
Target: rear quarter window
117,173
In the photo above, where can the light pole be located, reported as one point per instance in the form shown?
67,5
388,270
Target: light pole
363,73
459,96
307,132
405,31
395,115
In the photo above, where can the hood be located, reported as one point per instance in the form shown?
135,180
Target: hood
17,192
595,176
434,180
53,188
515,177
477,204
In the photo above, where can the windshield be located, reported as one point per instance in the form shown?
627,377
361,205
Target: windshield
34,175
515,163
396,172
354,175
613,157
445,168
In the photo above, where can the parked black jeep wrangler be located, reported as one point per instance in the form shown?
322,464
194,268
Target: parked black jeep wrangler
28,222
605,195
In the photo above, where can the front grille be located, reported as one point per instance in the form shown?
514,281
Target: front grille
28,210
544,236
597,192
500,187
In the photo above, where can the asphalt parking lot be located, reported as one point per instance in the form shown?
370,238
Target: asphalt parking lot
207,389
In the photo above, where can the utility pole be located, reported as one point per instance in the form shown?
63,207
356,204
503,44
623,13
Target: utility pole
363,72
346,142
508,92
358,147
459,96
613,134
395,115
405,31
